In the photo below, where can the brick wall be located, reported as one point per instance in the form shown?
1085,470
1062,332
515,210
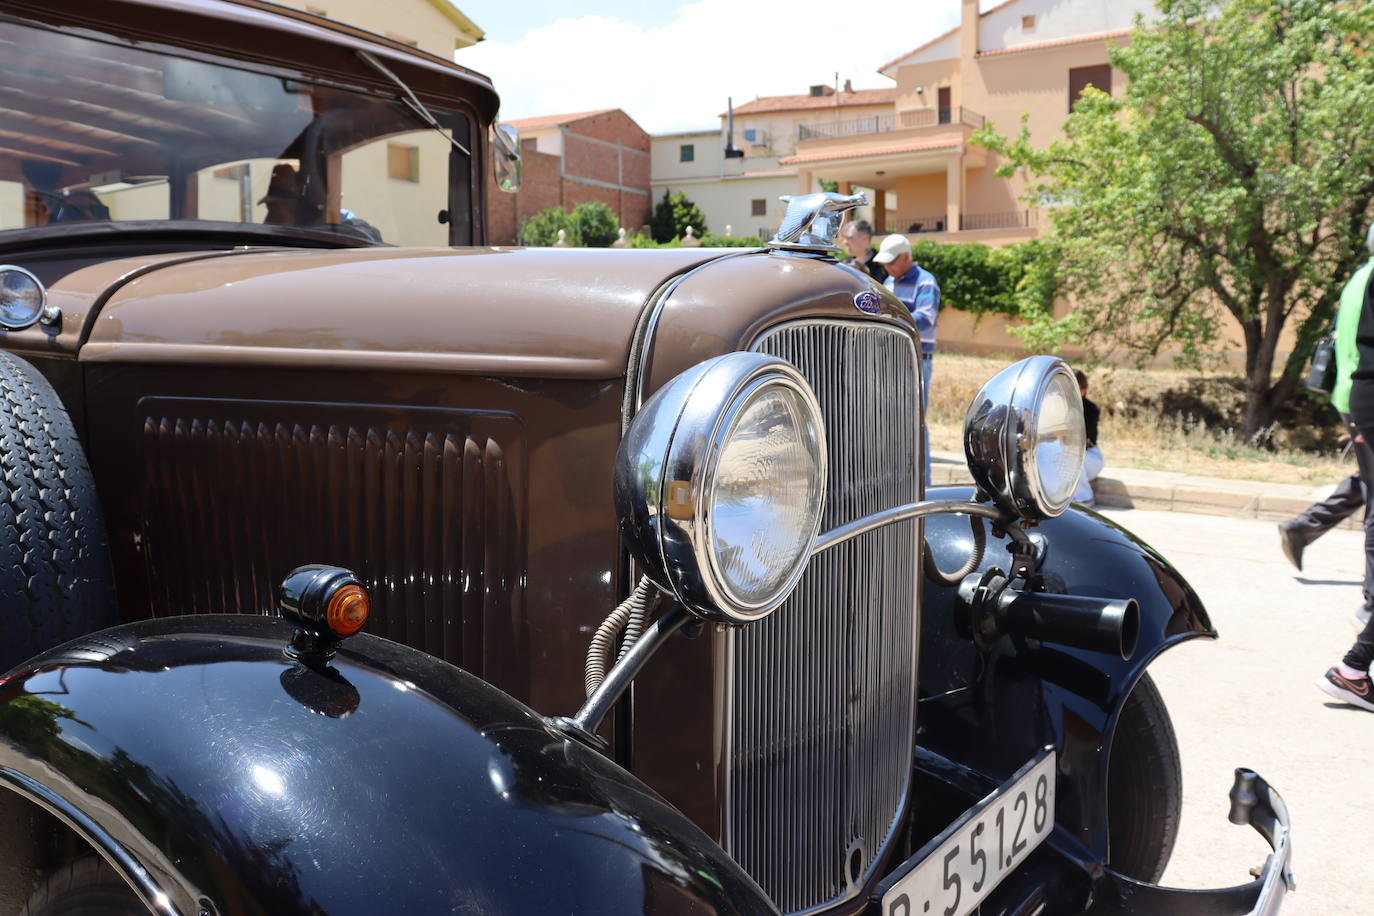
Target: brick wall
605,158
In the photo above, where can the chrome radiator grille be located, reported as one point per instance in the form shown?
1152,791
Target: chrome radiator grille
822,693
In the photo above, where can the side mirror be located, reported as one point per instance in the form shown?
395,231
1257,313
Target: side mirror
506,157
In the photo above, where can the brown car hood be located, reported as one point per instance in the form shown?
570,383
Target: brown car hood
492,311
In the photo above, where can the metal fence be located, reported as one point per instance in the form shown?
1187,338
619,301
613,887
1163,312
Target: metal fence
879,124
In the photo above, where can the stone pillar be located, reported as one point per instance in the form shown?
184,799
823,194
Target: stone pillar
954,190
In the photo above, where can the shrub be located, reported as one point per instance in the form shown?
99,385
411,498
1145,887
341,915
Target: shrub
596,224
1016,279
541,229
673,215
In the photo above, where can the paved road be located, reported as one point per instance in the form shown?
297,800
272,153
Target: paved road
1248,699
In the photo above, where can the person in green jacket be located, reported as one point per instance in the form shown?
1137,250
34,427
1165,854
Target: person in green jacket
1351,494
1348,680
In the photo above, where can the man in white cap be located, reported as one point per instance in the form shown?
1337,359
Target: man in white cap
919,292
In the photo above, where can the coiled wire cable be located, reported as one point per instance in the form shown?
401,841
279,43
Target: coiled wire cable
630,617
936,574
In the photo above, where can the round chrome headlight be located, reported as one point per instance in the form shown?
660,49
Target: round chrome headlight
21,298
1024,437
720,482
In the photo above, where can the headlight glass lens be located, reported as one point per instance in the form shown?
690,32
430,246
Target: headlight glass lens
1059,440
21,298
766,494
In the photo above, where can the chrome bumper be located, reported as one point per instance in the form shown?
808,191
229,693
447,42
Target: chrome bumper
1253,802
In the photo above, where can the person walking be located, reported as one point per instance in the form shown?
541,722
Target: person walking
920,293
857,238
1348,680
1351,494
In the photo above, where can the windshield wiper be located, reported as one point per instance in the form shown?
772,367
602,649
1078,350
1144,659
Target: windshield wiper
410,100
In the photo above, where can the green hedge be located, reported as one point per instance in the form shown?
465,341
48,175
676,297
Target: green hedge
591,224
1015,279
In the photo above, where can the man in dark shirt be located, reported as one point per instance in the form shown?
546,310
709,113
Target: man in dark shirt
857,238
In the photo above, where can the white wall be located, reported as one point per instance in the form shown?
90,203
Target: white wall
1056,19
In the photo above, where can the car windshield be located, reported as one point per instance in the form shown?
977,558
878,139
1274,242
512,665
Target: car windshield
96,131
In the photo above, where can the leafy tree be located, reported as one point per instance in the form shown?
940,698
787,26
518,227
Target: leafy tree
541,229
596,224
673,215
1232,178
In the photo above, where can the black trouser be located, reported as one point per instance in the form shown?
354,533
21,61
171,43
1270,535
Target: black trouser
1362,653
1348,498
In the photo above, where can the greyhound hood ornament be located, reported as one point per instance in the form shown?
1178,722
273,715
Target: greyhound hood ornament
812,221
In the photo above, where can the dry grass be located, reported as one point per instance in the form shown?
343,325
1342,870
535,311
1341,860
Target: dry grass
1167,420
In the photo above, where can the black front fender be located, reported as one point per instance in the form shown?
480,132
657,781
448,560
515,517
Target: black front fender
992,710
218,774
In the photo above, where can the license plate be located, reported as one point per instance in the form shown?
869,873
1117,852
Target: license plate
981,848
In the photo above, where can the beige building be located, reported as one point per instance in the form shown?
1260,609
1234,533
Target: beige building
739,193
1031,57
436,26
742,191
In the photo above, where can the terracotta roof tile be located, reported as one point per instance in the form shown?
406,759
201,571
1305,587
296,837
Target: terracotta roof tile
872,151
771,103
1058,42
555,120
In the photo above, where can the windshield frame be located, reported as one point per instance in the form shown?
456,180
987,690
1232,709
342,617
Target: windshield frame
467,95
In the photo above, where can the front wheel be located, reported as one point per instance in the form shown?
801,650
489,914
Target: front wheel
86,887
1144,786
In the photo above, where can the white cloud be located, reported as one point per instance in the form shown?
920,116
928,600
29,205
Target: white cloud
678,77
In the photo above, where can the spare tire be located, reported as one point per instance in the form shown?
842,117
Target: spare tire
56,580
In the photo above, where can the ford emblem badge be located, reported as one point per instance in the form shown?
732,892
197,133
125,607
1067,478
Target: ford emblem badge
867,301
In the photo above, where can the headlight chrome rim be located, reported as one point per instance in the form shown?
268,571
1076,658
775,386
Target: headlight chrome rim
1001,436
668,468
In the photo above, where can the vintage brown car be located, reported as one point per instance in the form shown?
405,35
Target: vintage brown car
258,391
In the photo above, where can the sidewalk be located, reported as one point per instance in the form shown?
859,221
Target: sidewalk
1170,491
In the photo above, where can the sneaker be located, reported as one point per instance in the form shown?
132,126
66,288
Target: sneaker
1356,692
1292,542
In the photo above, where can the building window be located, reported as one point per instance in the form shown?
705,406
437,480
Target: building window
1027,23
758,206
1080,78
403,162
687,152
403,40
751,135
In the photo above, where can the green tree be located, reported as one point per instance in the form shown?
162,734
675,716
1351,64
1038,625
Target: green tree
596,224
1232,178
541,229
673,215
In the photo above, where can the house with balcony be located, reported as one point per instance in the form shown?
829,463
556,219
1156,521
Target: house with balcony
1031,57
741,190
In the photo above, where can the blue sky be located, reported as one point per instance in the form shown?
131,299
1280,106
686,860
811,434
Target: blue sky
671,66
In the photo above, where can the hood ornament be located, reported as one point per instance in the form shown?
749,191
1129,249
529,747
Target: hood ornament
812,221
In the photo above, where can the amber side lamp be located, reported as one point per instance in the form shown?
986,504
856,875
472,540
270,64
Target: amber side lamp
326,604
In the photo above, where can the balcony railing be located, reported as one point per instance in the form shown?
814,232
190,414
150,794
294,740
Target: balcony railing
914,224
881,124
1011,219
968,222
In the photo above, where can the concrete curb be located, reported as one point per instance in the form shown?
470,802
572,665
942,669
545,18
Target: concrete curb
1169,491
